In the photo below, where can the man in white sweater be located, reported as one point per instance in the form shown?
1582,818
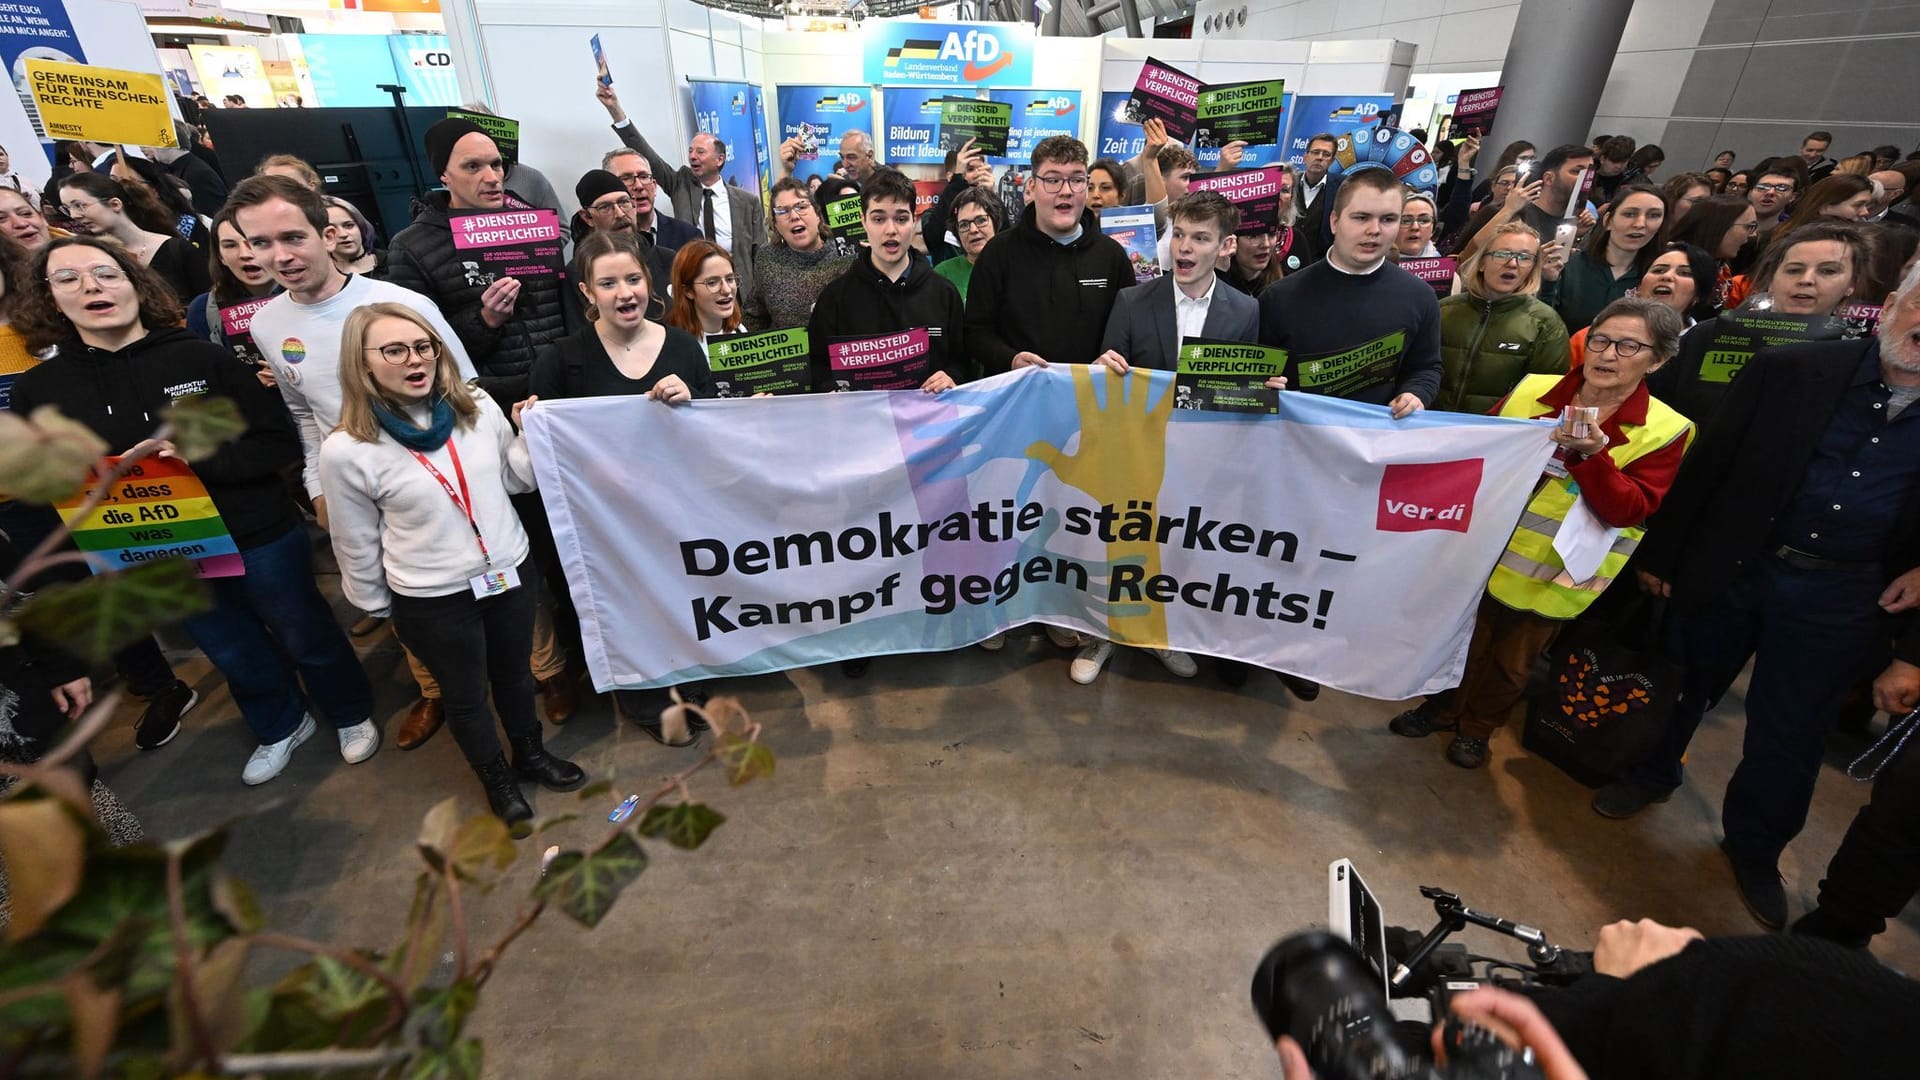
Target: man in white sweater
298,332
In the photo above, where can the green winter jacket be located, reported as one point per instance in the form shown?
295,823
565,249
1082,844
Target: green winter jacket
1487,347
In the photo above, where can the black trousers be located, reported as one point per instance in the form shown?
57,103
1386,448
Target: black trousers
1877,869
471,645
543,551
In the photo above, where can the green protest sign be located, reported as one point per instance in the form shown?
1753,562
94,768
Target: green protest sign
1227,376
985,122
505,133
1246,111
844,219
771,362
1351,370
1737,337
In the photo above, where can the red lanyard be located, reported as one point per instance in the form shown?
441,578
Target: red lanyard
461,499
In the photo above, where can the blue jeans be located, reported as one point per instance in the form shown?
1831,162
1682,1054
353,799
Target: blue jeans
1811,635
268,622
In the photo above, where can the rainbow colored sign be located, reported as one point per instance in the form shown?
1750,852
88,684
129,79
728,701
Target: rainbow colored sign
159,510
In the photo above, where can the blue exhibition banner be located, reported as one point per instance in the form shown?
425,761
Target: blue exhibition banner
1335,115
725,111
763,162
908,52
37,30
425,67
826,112
913,125
1037,114
347,69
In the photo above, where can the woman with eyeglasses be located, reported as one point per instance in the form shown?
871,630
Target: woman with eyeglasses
419,478
1415,239
1260,259
1720,226
1618,464
619,353
1496,331
1811,272
109,210
1614,258
121,357
1738,183
789,273
705,297
977,214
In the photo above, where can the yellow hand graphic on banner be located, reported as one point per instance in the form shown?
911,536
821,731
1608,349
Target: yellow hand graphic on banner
1122,459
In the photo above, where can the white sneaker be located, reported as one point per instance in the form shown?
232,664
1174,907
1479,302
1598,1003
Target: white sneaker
358,743
1063,637
1093,656
270,760
1177,662
995,643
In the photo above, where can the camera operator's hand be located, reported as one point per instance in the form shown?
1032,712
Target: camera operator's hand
1518,1022
1626,947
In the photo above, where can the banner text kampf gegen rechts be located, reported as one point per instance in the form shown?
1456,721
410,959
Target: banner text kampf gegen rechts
1326,540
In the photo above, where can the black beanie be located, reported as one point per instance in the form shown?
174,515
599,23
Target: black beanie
442,136
596,183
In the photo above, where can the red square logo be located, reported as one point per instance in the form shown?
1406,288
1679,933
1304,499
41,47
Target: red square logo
1435,495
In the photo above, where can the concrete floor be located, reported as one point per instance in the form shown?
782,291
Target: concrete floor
969,866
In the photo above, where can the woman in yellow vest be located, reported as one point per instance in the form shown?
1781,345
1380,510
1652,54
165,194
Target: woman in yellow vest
1601,485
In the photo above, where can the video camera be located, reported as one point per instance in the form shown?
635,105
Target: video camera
1361,999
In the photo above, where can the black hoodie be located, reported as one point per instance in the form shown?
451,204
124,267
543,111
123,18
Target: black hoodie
1032,293
863,303
120,394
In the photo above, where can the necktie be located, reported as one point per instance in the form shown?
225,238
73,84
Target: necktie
706,212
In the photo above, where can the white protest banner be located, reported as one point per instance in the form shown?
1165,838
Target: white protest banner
1328,540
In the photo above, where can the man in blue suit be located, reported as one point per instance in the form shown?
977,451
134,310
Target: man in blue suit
1147,324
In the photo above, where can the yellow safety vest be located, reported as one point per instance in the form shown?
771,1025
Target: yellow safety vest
1530,575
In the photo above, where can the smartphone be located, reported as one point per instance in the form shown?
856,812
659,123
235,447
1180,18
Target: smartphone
600,63
1523,168
1564,233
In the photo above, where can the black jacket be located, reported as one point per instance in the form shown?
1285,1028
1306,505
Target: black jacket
1031,293
120,394
1747,467
863,303
422,258
208,188
30,669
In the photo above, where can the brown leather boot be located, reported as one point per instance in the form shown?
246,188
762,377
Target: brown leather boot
559,698
422,721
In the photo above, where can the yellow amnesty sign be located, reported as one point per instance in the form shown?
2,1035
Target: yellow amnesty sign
102,105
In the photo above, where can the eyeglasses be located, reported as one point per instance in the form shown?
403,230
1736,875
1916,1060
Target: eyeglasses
621,203
1521,257
1624,348
1776,189
397,352
68,280
799,207
634,177
1057,184
713,284
1749,227
981,223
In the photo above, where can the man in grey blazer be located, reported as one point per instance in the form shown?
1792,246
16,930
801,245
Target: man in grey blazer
1148,321
729,216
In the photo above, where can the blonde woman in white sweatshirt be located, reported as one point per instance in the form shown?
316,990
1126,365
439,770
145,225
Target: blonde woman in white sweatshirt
417,478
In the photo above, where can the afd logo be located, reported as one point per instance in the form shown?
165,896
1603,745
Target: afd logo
1430,495
1057,105
430,58
982,53
1366,112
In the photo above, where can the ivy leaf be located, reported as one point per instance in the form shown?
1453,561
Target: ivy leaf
745,760
45,848
95,618
46,457
477,847
338,991
595,790
686,825
442,1014
585,886
461,1061
236,901
201,425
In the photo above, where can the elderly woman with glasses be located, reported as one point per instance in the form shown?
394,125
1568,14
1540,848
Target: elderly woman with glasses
1614,460
1496,331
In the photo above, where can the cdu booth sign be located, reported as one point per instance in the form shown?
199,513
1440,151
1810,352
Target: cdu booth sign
909,52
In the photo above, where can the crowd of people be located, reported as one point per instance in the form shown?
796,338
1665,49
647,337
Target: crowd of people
383,385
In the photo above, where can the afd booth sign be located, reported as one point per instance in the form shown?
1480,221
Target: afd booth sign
915,53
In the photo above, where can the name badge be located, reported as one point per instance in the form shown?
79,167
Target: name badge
494,582
1557,468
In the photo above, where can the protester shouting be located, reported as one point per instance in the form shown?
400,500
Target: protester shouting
798,262
107,208
418,474
706,292
1613,259
237,276
1682,279
1496,331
